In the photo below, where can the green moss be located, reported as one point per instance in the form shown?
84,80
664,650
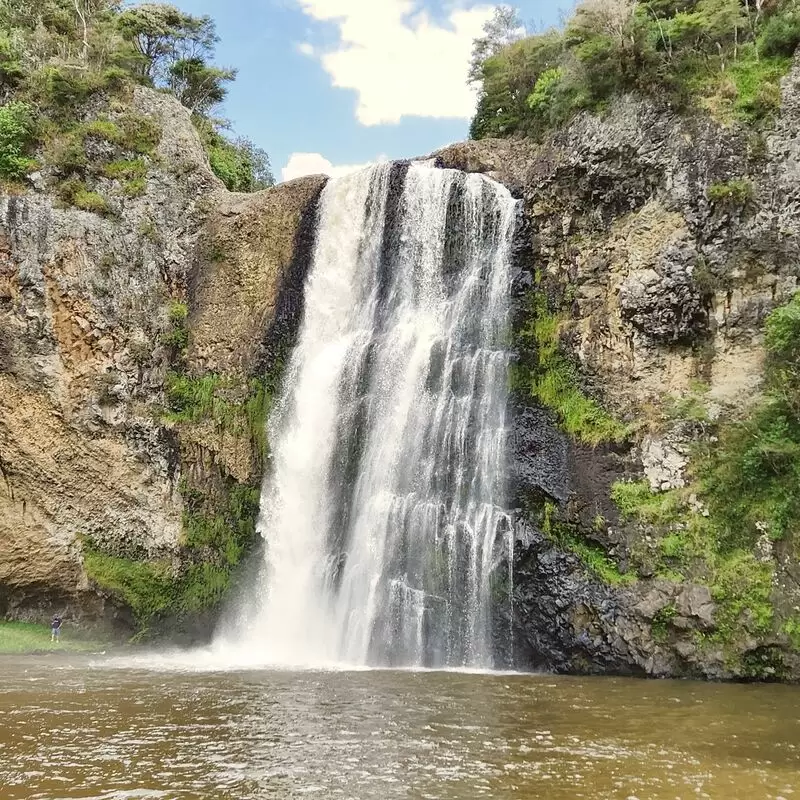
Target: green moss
131,172
192,399
636,500
594,558
134,188
103,129
75,193
736,192
552,379
147,587
218,530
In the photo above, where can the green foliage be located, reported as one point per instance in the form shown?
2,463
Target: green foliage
594,558
218,529
16,137
58,55
238,163
131,173
212,397
178,334
140,134
742,588
724,55
148,587
791,628
541,98
75,193
780,35
751,479
691,406
757,82
736,192
125,169
661,621
553,380
638,501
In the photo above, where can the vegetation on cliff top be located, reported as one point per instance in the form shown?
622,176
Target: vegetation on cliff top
724,55
63,59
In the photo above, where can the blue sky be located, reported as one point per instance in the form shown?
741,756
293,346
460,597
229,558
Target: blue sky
324,85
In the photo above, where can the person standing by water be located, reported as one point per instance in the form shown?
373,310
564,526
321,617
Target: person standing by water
55,629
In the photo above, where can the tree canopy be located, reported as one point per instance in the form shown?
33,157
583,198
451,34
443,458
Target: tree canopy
57,54
725,55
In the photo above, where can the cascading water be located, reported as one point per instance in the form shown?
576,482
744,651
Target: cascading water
383,507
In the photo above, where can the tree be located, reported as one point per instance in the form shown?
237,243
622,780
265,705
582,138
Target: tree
502,30
197,85
16,127
163,35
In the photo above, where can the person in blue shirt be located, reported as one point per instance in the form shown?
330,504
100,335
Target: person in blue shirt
55,629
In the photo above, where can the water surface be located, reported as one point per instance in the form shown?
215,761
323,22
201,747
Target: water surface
82,729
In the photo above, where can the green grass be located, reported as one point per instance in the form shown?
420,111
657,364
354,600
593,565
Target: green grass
594,558
27,637
636,500
553,379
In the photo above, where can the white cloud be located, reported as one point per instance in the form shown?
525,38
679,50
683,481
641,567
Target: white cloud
306,49
400,61
301,164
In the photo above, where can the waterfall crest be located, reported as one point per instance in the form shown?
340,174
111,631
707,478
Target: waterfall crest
382,511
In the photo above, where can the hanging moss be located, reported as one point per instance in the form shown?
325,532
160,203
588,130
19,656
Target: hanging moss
548,376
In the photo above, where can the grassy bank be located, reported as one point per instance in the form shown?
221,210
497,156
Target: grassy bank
26,637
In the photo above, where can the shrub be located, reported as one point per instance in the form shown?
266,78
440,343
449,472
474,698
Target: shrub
238,163
75,193
682,53
738,191
780,36
16,137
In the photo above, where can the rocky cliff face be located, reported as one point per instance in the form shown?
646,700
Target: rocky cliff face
139,352
659,244
92,329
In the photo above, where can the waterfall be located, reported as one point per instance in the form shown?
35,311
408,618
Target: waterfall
382,510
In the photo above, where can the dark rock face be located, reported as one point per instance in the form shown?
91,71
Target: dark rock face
562,621
665,287
665,303
539,455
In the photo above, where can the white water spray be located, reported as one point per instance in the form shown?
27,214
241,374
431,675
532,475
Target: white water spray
383,510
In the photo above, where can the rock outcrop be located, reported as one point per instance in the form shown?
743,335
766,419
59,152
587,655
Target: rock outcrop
667,240
87,326
139,352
